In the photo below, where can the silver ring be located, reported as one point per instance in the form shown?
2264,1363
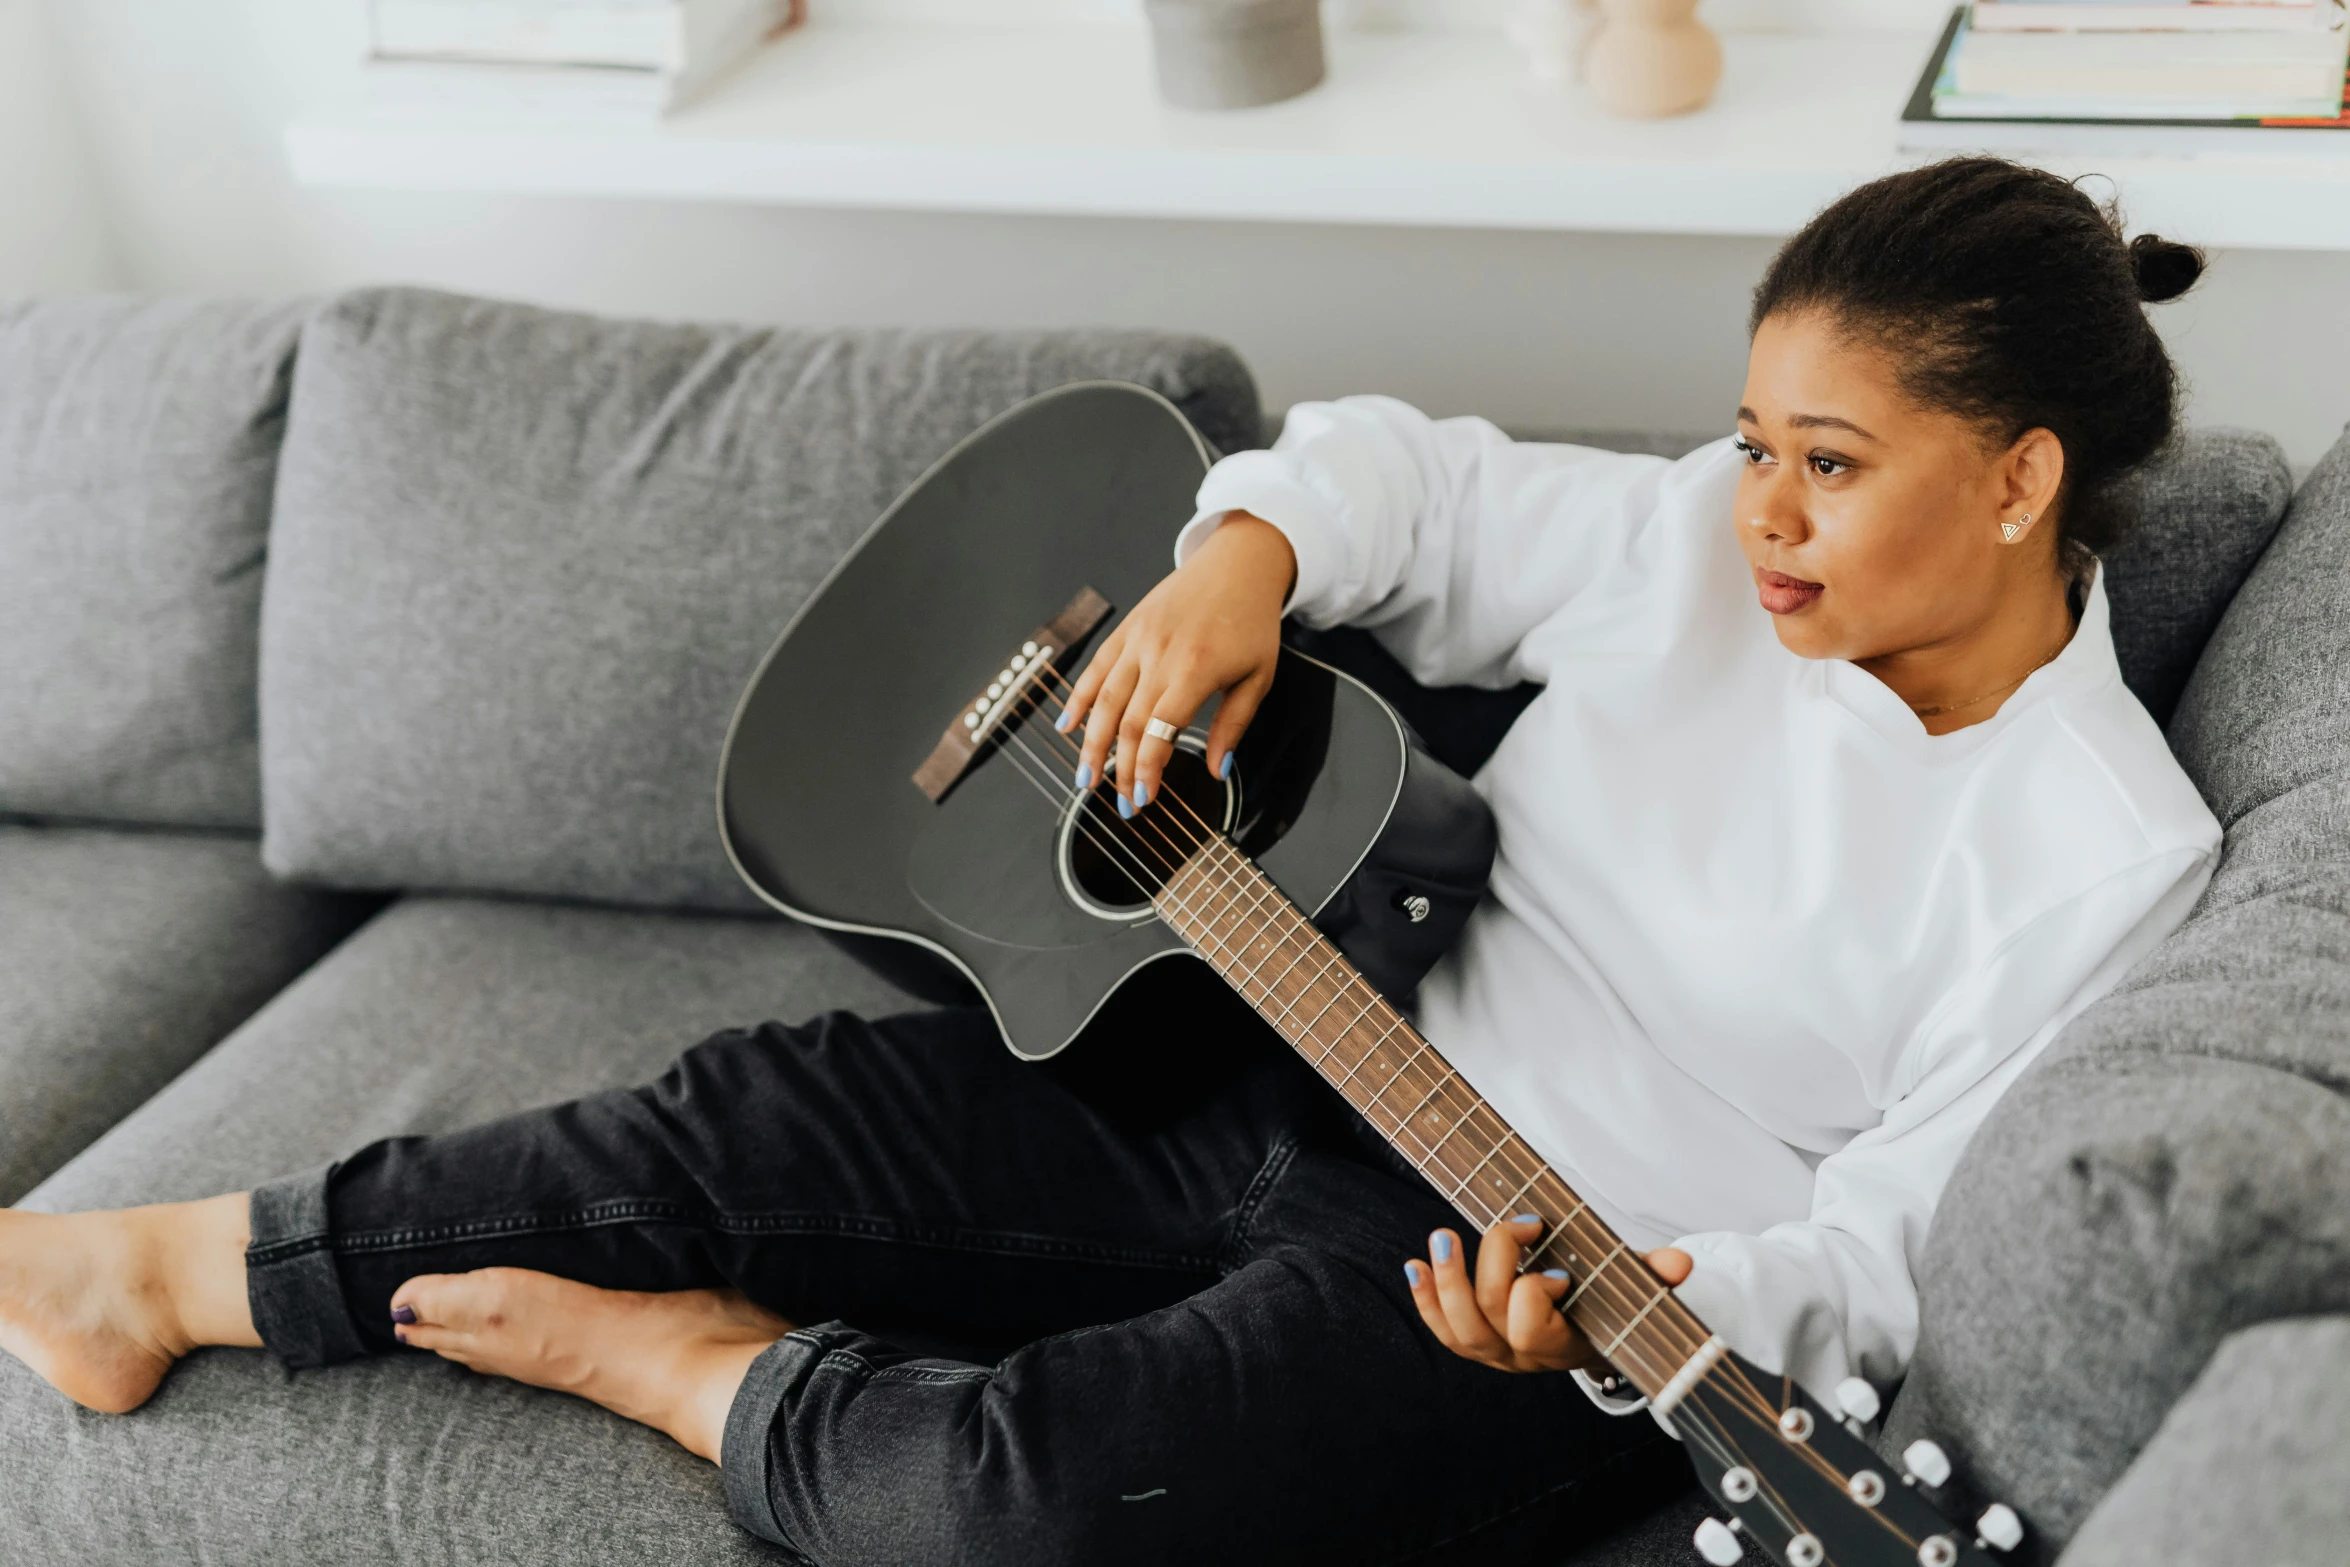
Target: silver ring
1160,729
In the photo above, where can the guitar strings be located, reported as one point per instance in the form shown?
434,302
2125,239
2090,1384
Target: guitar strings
1618,1292
1615,1290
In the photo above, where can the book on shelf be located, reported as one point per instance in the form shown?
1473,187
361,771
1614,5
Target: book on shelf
1935,120
2152,16
565,58
2136,75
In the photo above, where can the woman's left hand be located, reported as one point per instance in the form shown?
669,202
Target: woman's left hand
1506,1319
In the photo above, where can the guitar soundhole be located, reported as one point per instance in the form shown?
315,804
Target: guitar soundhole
1111,867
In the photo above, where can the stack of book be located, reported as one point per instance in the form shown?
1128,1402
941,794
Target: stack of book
567,58
2058,74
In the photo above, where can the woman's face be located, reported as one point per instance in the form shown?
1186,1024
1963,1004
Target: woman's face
1872,524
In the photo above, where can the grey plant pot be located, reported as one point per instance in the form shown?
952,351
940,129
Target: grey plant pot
1235,54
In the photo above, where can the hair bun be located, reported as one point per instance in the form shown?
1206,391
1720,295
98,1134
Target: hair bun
2164,268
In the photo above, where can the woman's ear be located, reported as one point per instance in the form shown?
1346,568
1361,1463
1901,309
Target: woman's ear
2031,475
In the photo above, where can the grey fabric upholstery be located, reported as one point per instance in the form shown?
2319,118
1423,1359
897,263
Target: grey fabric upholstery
2178,1167
523,564
1661,1539
123,957
445,1012
438,1014
2252,1465
2206,509
138,445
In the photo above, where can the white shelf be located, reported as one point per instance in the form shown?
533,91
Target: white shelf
1431,128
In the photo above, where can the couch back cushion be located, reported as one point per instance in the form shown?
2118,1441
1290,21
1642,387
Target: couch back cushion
138,447
2178,1166
524,562
2206,509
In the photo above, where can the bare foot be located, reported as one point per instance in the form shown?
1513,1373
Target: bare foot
95,1303
672,1361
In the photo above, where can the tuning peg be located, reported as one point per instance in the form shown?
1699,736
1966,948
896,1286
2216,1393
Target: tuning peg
1717,1543
1858,1399
2000,1528
1925,1461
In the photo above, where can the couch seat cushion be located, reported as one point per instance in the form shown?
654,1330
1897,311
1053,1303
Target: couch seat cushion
123,957
437,1015
138,447
523,565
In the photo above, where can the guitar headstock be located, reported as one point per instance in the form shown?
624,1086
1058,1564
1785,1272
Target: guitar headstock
1803,1486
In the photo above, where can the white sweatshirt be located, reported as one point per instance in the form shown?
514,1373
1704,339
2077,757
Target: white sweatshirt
1759,953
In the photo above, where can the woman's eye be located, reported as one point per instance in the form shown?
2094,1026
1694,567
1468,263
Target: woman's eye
1828,467
1752,453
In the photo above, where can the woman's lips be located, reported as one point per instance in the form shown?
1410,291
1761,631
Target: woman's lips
1782,594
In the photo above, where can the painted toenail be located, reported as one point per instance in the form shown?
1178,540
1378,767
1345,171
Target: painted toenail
404,1315
402,1337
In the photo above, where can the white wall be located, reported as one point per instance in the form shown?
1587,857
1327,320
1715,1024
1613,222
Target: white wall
52,226
184,100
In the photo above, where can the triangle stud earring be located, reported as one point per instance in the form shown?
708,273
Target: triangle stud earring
2011,529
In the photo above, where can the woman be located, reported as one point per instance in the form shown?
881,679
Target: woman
1832,812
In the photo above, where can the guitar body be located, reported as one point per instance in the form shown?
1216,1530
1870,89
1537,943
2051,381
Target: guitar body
987,888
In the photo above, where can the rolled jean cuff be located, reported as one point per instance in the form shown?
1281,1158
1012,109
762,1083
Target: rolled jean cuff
746,1451
290,1279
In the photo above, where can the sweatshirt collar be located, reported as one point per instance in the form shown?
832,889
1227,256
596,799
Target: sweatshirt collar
2086,663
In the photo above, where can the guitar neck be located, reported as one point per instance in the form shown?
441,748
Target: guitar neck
1231,914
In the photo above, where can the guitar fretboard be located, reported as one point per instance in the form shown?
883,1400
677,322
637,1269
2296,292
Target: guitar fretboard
1232,915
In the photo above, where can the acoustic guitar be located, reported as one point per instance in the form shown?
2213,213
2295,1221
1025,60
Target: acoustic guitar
935,830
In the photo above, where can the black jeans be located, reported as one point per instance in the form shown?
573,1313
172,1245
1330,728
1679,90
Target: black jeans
1156,1316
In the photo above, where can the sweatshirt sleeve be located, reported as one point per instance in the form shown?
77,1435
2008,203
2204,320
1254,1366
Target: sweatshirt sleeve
1834,1295
1447,539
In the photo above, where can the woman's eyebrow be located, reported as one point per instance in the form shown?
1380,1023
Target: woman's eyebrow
1810,422
1827,422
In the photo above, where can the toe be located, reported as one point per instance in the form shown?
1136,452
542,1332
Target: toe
430,1300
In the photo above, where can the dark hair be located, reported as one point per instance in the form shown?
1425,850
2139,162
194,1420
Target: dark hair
2008,297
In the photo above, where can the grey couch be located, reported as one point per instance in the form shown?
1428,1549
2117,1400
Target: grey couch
518,566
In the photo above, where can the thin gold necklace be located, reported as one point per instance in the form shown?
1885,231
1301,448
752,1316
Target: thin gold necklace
1953,707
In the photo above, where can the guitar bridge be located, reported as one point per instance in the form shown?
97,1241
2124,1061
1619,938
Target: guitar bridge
986,714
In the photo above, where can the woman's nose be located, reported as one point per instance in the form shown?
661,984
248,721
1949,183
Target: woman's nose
1773,514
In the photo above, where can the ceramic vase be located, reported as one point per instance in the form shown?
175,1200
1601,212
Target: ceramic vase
1651,58
1235,54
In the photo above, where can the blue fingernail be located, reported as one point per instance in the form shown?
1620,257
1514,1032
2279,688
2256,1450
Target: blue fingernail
1142,794
1224,768
1440,1246
1411,1274
404,1315
1527,1218
1125,808
1085,775
1554,1273
1068,717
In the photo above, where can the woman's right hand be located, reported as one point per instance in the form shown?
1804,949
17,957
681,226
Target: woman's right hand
1212,625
